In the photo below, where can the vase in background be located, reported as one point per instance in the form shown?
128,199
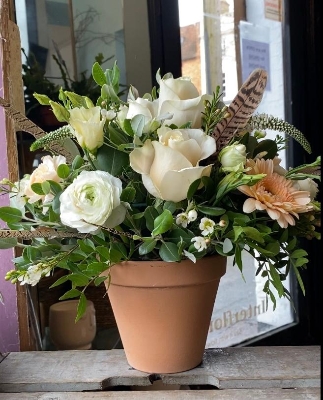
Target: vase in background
65,333
163,310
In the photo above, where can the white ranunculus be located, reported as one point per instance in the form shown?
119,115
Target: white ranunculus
307,185
170,166
181,98
46,170
92,199
233,158
88,127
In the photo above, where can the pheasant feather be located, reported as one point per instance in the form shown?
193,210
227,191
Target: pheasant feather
241,108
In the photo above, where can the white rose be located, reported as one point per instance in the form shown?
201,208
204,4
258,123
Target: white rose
88,127
168,167
233,158
181,98
47,170
307,185
92,198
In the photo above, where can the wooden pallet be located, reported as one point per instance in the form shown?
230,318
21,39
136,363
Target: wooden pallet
231,373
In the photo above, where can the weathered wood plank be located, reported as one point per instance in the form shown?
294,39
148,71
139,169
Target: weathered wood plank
229,368
228,394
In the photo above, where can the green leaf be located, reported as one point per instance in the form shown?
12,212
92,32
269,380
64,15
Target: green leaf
78,279
45,187
38,189
61,114
76,99
163,223
7,243
193,188
99,280
215,211
10,214
227,246
298,253
81,307
276,280
60,280
150,215
169,252
147,246
138,124
253,234
95,268
300,262
42,99
267,145
70,294
63,171
77,162
55,187
128,194
111,160
98,74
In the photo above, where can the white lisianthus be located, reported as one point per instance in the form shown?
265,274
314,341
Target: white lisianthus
168,167
308,185
207,226
181,98
200,243
92,199
17,195
148,109
88,127
233,158
46,170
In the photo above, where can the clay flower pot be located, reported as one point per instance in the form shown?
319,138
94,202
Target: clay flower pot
163,310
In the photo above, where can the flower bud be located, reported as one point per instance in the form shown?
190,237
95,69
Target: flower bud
233,157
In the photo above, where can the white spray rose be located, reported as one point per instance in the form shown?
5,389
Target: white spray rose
233,158
46,170
88,127
92,198
181,98
168,167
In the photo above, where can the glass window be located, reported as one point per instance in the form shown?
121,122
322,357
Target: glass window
222,43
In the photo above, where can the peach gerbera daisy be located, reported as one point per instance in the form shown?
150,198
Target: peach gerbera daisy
274,194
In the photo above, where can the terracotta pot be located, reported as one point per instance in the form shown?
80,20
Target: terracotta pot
163,311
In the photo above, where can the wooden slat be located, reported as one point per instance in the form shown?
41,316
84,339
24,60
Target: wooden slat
229,394
229,368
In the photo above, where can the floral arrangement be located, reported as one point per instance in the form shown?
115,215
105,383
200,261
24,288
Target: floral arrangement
170,175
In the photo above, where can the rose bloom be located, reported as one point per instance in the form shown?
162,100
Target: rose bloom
88,127
170,165
179,103
181,98
47,170
92,199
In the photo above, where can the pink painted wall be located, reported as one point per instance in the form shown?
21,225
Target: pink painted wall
9,328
